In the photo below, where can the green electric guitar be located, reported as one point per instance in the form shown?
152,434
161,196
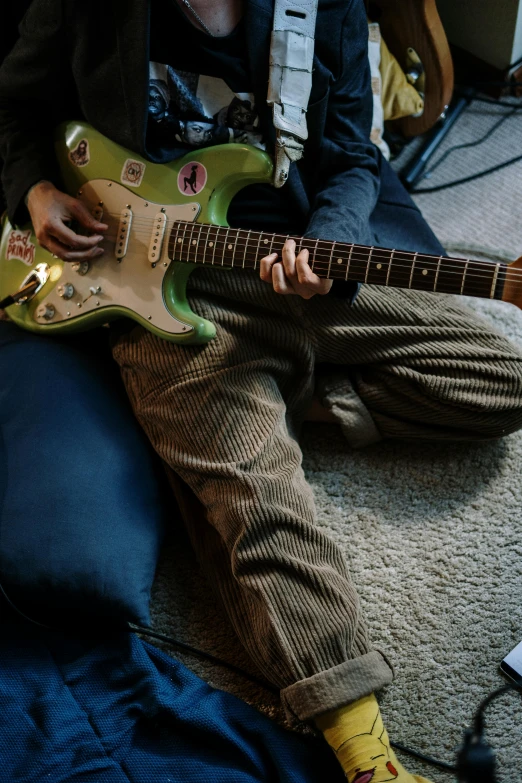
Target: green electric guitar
165,219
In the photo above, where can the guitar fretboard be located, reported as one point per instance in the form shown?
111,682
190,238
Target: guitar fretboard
201,243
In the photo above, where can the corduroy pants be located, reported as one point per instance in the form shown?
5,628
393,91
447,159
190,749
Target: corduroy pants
225,417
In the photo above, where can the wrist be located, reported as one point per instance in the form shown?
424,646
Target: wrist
41,184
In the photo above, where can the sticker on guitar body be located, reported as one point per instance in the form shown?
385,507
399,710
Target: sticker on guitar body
192,178
80,155
132,173
20,247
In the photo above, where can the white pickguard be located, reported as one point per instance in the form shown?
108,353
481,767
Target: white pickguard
132,282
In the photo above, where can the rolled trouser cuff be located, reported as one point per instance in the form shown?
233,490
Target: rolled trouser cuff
335,687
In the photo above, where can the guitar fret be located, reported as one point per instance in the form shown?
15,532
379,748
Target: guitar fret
214,246
464,276
247,240
271,244
348,263
258,250
437,273
330,262
412,269
494,283
206,244
368,265
235,248
191,241
224,247
198,239
184,249
389,266
315,254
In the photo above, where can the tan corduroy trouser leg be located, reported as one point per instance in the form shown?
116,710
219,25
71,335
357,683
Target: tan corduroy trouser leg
225,417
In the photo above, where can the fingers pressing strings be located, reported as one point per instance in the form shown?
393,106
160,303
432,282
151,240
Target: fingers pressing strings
292,275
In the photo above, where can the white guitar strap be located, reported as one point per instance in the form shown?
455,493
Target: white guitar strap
290,81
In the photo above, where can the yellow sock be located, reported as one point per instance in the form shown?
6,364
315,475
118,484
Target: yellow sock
359,740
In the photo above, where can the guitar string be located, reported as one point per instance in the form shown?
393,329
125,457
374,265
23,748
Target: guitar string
239,245
345,275
317,264
254,234
355,254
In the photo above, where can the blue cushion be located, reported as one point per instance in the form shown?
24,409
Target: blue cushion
114,709
81,504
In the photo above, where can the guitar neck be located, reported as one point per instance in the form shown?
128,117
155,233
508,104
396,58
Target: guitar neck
201,243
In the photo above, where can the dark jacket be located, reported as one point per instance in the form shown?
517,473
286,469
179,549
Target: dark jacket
90,60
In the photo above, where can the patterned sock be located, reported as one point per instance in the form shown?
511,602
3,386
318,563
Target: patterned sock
359,740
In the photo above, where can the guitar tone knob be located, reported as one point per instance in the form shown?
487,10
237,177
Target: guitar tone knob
66,290
81,267
45,311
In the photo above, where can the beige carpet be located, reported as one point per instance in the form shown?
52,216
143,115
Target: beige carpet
432,533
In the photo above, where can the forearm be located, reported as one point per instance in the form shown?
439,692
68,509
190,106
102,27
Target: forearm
348,164
28,159
342,208
32,81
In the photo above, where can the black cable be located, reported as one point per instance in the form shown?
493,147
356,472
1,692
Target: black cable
29,619
201,654
471,93
496,101
422,757
475,143
468,179
131,627
500,83
27,290
6,302
478,720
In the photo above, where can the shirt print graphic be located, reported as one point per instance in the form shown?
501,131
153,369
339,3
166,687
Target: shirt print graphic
199,110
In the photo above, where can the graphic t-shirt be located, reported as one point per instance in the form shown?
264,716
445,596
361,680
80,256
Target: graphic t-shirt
199,96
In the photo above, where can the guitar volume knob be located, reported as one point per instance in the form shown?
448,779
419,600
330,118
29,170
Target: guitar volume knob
65,290
81,267
45,311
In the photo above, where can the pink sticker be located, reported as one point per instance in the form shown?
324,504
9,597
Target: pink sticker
192,178
20,247
132,172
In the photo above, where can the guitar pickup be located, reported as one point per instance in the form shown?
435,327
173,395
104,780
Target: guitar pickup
122,238
156,240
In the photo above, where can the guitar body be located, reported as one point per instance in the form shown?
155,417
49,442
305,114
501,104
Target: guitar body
140,201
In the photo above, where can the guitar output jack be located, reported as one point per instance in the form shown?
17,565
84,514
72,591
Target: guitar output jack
39,275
